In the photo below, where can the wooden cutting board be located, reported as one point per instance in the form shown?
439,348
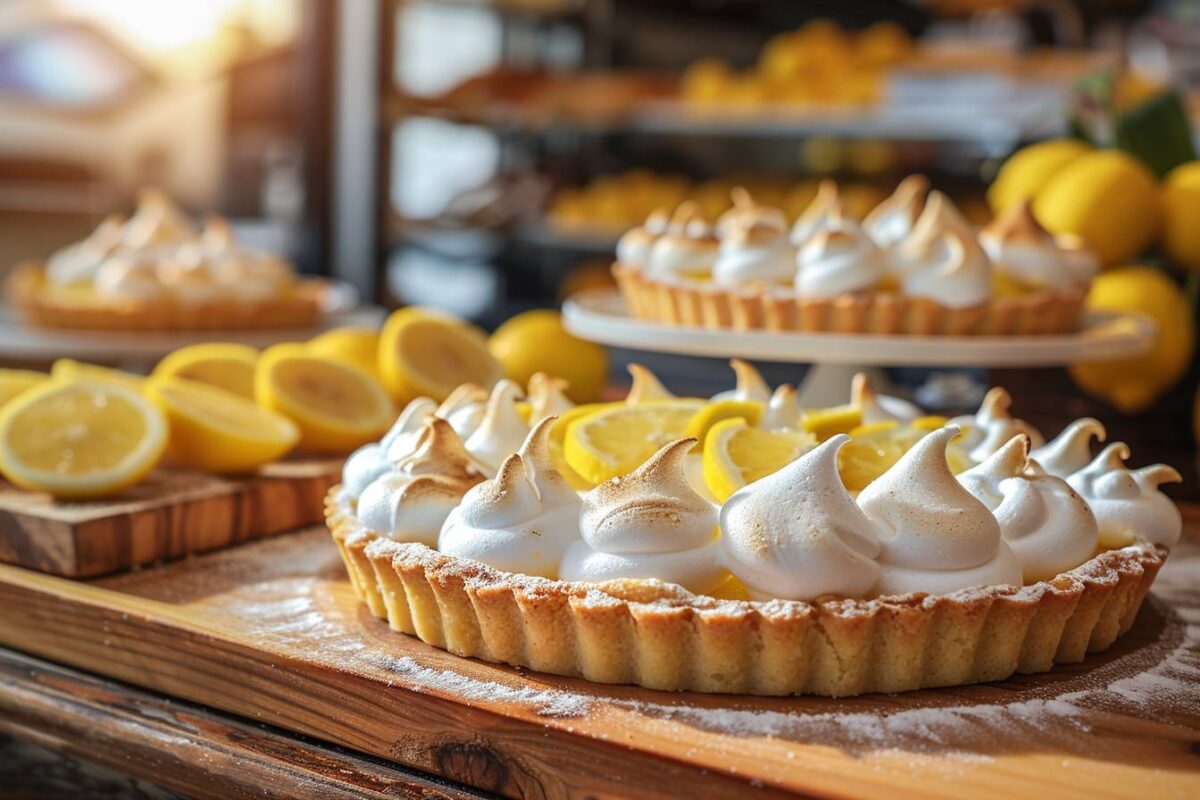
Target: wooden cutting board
272,631
173,513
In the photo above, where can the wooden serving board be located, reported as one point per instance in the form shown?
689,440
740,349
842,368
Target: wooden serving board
272,631
171,514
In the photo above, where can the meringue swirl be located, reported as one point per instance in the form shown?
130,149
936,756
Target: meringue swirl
797,534
893,219
523,520
634,247
1071,450
687,249
783,409
838,259
825,203
992,426
1048,526
935,536
372,460
1021,249
648,524
501,430
646,387
750,386
1127,503
754,246
546,397
463,408
410,502
941,259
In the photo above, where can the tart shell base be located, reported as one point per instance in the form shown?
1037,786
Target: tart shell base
299,308
708,306
660,636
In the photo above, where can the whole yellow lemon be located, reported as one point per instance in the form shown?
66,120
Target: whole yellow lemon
536,341
1028,170
356,346
1132,384
1181,215
1107,198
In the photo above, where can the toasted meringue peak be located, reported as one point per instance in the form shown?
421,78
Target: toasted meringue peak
410,502
648,524
1023,250
501,430
1071,450
1078,258
633,248
1048,526
826,202
546,397
523,520
838,259
936,536
864,397
992,426
1127,503
941,259
750,384
754,246
893,219
372,460
129,276
687,248
463,408
79,261
645,387
156,222
783,409
797,534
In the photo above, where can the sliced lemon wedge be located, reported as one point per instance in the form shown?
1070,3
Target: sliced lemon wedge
79,439
616,440
218,431
826,422
14,382
70,368
737,454
875,447
714,412
426,352
337,407
224,365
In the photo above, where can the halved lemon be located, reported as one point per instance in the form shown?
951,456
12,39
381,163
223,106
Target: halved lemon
616,440
337,407
737,454
357,346
216,430
80,439
70,368
224,365
426,352
826,422
14,382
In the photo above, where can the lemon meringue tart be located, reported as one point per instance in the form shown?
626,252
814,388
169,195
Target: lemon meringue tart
157,271
913,265
978,551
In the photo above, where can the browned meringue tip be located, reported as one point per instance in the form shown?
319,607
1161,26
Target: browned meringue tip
742,200
462,394
645,386
1013,456
666,463
996,403
536,446
1017,224
909,195
1158,474
862,393
440,451
685,213
542,383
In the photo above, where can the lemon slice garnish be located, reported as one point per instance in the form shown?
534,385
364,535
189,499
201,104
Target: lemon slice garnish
875,447
70,368
14,382
357,346
337,407
616,440
826,422
736,454
224,365
78,438
714,412
219,431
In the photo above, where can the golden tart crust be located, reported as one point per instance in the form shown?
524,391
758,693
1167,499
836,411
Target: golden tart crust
660,636
705,305
299,307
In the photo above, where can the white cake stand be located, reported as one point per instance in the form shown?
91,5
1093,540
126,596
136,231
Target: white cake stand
600,316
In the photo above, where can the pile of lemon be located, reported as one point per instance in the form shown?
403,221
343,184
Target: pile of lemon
1116,205
85,431
818,64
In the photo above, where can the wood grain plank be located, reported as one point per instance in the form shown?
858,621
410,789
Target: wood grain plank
172,514
185,748
272,631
